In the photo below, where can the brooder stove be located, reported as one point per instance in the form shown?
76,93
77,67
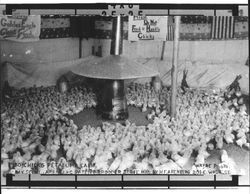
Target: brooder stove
111,71
113,105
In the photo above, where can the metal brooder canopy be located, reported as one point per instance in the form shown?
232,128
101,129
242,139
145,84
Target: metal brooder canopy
116,67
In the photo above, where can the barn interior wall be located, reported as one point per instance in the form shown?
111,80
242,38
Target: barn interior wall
45,50
209,52
50,52
67,49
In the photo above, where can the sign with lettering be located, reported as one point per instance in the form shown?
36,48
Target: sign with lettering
20,28
147,28
122,9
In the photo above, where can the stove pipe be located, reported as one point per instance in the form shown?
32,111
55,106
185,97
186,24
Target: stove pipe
113,103
117,36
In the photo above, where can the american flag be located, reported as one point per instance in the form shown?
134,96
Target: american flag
222,27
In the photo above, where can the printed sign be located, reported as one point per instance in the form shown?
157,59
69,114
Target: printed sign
147,28
122,9
20,28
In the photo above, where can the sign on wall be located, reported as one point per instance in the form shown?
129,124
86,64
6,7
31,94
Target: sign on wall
122,9
20,28
147,28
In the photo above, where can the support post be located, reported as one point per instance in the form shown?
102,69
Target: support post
80,47
163,49
174,70
163,44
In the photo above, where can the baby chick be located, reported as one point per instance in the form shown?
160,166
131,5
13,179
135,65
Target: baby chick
116,163
240,142
127,161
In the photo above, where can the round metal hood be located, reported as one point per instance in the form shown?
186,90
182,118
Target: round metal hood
114,67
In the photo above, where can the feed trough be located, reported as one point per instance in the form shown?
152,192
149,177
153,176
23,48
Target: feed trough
112,70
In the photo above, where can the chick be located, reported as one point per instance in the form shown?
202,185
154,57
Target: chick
219,142
210,146
179,160
170,165
127,161
41,148
144,108
240,142
116,163
143,165
27,156
224,156
151,115
200,159
240,133
69,153
229,138
17,158
162,157
100,163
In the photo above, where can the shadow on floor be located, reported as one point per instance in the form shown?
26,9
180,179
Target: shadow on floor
89,117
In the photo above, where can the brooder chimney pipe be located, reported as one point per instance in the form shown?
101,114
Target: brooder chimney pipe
117,36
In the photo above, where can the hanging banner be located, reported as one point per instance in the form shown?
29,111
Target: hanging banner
147,28
20,28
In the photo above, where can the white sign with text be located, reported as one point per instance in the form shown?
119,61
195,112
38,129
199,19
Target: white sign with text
147,28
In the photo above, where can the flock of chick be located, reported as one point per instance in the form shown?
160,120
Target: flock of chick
37,137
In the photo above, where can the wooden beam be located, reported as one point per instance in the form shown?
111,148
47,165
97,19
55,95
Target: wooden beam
175,67
163,49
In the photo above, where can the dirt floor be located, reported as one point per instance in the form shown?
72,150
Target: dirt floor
89,117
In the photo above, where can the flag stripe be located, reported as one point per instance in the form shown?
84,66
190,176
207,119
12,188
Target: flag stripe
215,21
219,27
222,27
226,26
229,28
233,28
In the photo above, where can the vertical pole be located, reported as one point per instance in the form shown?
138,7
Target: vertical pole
163,49
163,44
80,47
117,36
174,67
